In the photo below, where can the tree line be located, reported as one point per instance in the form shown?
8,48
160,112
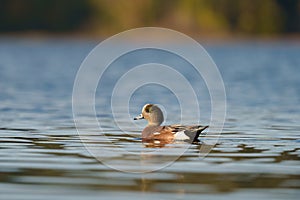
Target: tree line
249,17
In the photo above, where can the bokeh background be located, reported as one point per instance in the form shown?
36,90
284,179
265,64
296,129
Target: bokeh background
209,18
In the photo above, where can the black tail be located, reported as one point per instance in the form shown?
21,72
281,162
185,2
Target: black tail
199,131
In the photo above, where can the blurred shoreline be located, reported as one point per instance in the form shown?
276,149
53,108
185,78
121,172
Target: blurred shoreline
207,20
200,37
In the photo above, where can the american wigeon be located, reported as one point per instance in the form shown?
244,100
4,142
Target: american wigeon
154,130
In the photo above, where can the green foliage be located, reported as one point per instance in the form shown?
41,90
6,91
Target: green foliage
50,15
252,17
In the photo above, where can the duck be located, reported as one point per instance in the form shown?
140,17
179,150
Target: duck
167,133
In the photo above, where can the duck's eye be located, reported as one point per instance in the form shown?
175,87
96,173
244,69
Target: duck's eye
147,109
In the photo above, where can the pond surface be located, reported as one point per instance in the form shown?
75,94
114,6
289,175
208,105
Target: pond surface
43,157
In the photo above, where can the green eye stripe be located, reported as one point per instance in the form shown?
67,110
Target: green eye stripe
148,108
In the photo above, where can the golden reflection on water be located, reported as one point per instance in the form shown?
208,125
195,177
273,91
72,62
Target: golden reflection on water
229,166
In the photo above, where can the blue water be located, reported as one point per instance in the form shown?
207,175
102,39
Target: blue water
42,156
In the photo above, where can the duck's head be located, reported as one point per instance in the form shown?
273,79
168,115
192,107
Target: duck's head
152,113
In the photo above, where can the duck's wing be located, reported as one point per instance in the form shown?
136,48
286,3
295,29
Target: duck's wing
177,128
182,132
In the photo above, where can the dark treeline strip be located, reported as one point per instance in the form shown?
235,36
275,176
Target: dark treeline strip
253,17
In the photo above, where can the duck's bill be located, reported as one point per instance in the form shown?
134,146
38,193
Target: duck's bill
139,117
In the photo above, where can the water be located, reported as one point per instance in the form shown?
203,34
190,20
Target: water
42,156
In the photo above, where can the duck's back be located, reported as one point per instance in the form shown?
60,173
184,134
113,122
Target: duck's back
190,133
177,132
